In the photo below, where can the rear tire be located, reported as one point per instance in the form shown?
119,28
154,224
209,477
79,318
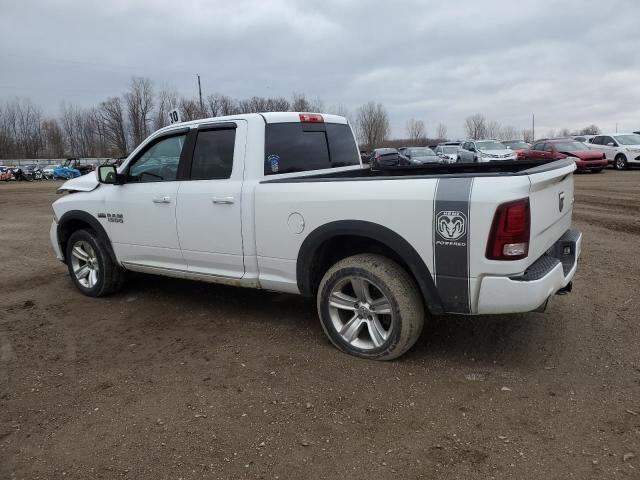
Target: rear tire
370,307
91,265
620,162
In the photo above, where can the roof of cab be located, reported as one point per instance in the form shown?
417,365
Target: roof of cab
268,117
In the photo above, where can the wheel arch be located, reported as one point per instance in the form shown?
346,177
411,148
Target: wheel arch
74,220
316,255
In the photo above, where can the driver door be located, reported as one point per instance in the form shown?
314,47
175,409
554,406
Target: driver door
140,215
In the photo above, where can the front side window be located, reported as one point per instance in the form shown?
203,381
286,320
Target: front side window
213,154
159,163
607,141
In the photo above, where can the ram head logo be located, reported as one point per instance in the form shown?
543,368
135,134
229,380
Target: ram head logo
451,225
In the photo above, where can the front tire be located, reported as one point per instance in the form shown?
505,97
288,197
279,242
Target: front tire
91,265
370,307
620,163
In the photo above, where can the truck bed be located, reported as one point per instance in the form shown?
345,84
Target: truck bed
489,169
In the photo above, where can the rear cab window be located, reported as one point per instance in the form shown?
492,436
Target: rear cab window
301,147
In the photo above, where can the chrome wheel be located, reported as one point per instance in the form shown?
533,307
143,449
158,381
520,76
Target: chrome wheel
620,162
84,263
360,313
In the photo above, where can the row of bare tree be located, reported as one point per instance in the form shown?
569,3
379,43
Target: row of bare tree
477,126
118,124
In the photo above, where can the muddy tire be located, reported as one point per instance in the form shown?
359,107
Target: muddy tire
91,264
370,307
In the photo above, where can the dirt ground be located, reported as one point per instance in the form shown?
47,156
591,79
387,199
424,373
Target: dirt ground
182,380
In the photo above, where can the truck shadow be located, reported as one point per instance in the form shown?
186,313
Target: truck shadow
505,338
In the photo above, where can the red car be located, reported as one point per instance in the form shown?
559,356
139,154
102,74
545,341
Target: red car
5,174
558,148
518,146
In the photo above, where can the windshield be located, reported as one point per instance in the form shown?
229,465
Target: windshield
516,144
571,147
420,152
490,145
628,139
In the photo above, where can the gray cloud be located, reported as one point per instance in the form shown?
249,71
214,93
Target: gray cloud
571,63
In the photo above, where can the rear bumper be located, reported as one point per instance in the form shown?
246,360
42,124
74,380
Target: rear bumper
53,238
531,290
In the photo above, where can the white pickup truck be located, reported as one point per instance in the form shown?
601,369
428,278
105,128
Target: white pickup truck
281,201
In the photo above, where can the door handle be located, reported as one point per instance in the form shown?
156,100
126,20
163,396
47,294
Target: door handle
163,199
223,200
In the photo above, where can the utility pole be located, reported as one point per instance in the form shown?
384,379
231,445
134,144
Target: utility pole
200,94
533,127
616,127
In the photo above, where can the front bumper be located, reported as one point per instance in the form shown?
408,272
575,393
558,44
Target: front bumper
53,238
527,292
591,164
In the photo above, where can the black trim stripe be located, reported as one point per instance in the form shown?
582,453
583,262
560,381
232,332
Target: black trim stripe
451,222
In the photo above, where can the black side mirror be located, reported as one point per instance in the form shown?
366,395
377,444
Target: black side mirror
108,174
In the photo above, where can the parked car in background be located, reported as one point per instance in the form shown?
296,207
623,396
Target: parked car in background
484,151
6,174
518,146
449,153
47,171
620,149
421,155
559,148
387,157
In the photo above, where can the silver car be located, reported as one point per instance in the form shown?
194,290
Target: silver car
473,151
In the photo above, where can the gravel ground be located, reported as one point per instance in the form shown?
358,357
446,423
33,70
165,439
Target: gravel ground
176,379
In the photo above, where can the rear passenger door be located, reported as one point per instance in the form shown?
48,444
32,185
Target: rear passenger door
208,211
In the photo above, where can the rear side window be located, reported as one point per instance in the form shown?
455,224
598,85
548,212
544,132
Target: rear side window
300,147
213,154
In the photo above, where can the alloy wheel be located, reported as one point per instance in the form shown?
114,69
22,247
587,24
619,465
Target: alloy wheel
84,262
361,313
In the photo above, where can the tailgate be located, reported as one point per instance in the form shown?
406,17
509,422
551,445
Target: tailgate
551,200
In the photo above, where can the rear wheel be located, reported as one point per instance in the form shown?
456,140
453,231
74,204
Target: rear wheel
91,265
620,162
370,307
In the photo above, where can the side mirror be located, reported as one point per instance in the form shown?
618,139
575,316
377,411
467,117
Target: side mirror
610,144
108,174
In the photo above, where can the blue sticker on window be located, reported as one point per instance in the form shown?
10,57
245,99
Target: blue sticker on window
274,161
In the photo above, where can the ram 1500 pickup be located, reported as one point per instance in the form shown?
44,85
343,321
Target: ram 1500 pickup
281,201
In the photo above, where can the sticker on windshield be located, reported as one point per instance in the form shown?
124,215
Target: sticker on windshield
274,161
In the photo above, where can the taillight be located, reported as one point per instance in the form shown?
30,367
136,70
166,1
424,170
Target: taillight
311,118
509,237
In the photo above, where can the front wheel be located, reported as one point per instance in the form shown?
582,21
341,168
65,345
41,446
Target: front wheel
620,162
91,265
370,307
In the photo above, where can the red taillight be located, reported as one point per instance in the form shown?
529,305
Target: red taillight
509,237
311,118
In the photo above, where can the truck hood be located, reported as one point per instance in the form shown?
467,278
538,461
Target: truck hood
586,154
84,183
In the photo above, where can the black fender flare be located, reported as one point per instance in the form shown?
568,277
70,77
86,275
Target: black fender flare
64,233
374,231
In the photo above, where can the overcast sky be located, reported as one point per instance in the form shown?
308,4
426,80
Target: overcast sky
572,63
